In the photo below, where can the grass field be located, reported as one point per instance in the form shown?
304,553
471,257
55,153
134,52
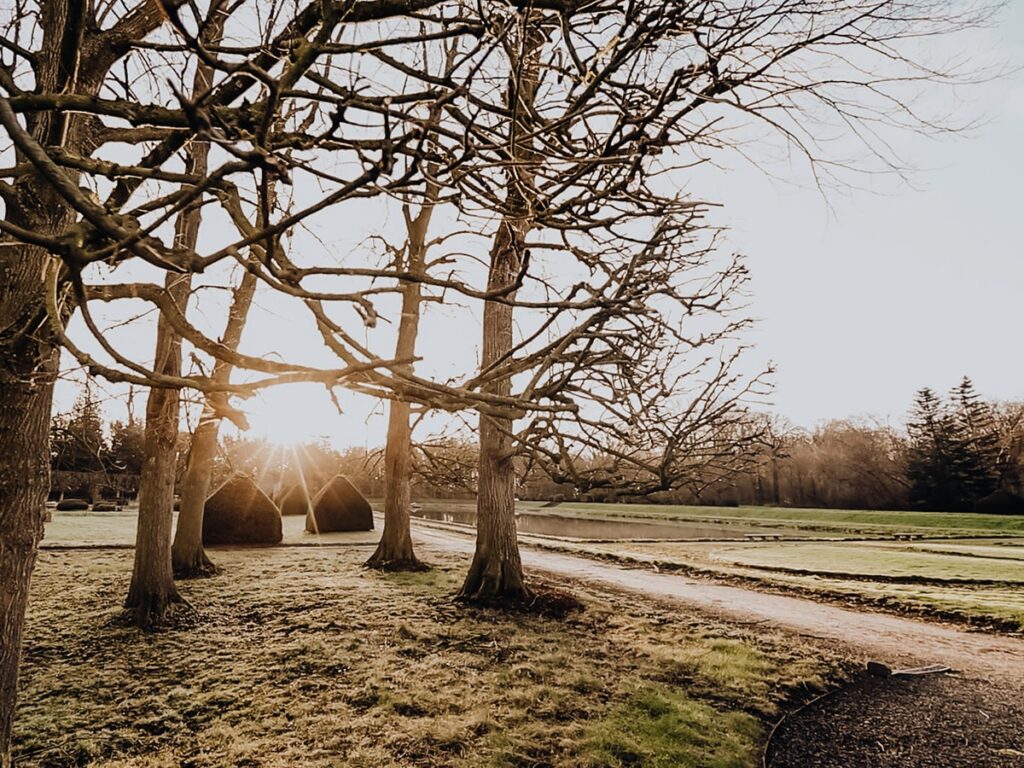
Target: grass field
905,563
978,577
844,520
301,657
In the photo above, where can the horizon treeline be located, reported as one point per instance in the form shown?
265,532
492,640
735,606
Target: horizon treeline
958,453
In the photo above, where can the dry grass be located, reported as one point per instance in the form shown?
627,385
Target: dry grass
302,657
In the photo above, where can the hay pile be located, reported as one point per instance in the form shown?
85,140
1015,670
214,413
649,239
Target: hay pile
339,507
240,513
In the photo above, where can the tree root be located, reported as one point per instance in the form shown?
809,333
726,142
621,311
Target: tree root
395,559
199,567
153,612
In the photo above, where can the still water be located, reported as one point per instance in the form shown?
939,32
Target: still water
577,528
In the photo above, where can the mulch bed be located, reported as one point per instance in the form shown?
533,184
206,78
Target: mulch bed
909,722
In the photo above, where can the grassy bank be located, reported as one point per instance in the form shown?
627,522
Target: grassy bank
847,520
300,657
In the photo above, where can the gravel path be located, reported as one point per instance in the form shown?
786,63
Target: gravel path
867,634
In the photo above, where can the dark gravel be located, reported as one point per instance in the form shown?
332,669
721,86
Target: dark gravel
912,722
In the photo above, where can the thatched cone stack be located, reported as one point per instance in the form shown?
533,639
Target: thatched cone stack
240,513
339,507
296,501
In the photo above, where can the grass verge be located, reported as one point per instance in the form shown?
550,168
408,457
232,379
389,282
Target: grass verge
303,657
845,520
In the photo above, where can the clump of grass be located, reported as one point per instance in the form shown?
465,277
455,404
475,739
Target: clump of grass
661,727
735,672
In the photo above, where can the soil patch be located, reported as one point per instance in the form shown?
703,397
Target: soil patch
909,722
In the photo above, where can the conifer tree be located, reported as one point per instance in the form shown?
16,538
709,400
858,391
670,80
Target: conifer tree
930,458
977,442
953,459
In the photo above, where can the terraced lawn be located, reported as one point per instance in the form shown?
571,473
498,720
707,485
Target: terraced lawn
881,562
834,519
957,579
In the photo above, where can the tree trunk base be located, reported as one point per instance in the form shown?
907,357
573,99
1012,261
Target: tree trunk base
157,611
495,583
395,559
198,566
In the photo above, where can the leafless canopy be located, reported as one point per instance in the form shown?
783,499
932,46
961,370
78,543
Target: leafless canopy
622,303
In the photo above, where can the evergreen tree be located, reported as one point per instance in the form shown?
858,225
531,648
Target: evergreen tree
930,460
954,454
977,442
126,453
77,442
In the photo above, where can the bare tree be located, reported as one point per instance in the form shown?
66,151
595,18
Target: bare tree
562,123
59,93
496,570
395,550
152,593
65,54
188,557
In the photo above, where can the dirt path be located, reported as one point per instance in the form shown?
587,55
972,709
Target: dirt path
894,640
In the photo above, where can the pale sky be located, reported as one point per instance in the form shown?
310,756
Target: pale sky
862,296
915,286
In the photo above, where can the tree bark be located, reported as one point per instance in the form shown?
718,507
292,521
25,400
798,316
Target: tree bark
152,594
395,550
27,372
497,570
29,355
152,590
496,573
188,557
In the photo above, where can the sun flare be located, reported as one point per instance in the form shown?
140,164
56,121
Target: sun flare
290,416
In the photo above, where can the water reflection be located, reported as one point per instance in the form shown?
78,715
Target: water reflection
577,528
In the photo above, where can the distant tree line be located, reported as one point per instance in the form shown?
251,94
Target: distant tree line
85,460
958,453
93,458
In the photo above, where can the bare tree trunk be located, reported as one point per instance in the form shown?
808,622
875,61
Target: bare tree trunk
152,590
395,550
29,356
496,572
776,493
152,593
27,372
189,559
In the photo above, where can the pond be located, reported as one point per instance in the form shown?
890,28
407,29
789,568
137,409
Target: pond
605,528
